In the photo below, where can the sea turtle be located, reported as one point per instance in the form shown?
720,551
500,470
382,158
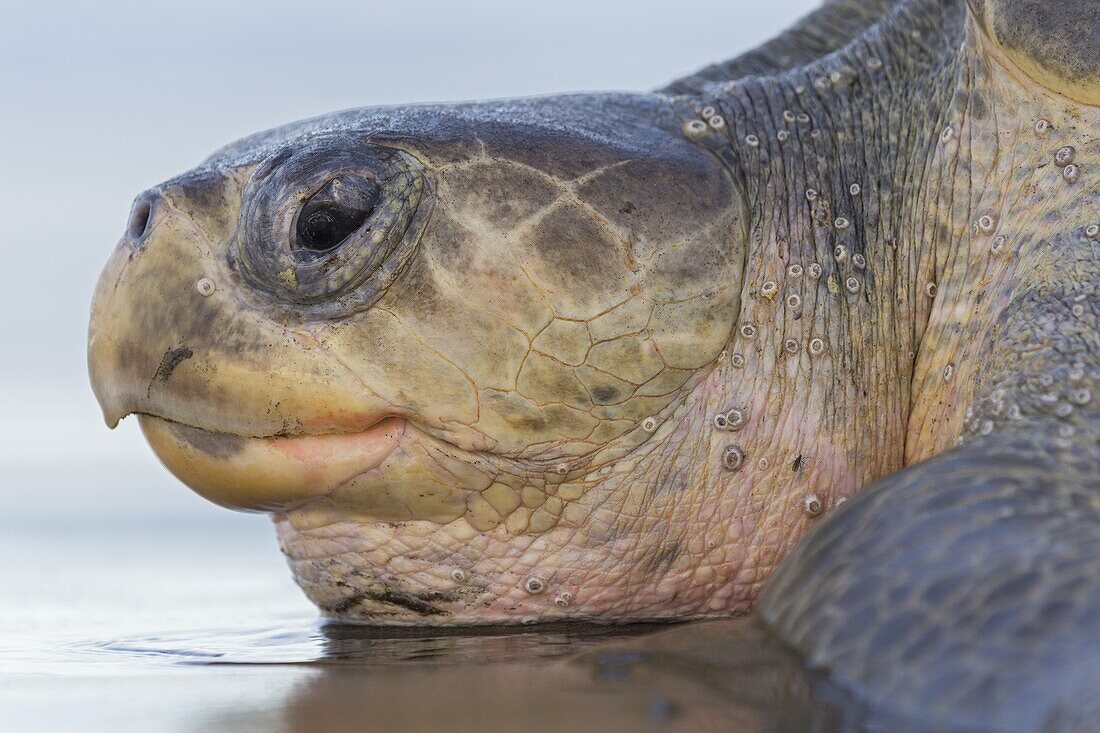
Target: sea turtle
609,356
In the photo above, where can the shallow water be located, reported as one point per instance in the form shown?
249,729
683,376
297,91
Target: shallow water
197,627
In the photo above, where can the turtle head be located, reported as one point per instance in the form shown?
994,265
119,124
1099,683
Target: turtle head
452,319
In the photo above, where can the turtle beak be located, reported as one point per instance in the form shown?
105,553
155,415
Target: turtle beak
250,412
171,336
103,352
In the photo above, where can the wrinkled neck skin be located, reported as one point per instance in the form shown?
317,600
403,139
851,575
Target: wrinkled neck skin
870,290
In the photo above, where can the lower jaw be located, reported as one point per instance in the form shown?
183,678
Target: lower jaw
267,474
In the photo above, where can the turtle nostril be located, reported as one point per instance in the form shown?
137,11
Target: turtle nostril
140,215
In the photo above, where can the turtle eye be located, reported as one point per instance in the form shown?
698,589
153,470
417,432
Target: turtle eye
325,223
334,213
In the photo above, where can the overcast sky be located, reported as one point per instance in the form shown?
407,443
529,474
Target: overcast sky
102,100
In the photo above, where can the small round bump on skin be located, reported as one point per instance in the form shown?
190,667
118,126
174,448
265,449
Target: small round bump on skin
998,245
733,458
1046,380
803,118
561,469
790,346
1076,372
534,585
1042,127
1065,155
1080,396
985,426
874,63
1063,410
794,270
811,194
817,347
752,140
564,599
737,361
649,425
859,261
788,115
782,135
695,128
947,134
1071,173
815,133
735,419
811,504
852,284
821,83
206,287
841,224
769,289
458,575
855,189
949,371
1077,310
815,270
986,224
930,290
840,253
718,122
748,331
721,422
709,112
1092,231
794,301
762,463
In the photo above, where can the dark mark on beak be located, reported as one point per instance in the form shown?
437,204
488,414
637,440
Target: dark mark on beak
168,363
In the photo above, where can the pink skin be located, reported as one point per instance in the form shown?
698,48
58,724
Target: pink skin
628,551
373,444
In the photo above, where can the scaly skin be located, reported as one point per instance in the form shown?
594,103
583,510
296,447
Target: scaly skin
958,592
513,419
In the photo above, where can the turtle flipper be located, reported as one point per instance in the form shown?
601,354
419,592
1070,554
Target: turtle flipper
826,29
959,589
1055,43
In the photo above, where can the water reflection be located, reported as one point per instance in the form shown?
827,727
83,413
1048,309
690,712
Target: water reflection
330,644
723,675
728,675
